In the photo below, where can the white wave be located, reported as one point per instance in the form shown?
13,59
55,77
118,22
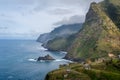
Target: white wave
33,60
57,60
42,48
42,61
63,52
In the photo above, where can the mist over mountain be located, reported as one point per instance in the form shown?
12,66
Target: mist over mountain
49,40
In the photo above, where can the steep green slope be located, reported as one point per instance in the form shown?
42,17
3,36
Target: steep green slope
60,43
112,8
98,37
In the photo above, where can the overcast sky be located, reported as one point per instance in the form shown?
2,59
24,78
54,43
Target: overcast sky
29,18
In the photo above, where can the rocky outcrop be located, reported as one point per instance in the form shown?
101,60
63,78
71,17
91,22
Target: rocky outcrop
47,57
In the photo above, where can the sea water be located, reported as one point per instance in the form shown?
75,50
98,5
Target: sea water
17,60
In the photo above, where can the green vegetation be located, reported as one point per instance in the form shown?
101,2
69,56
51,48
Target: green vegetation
100,34
57,44
112,8
60,43
99,37
106,70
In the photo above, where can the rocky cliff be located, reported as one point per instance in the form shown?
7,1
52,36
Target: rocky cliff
99,36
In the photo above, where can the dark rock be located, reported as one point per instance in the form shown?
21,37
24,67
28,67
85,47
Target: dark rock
74,59
47,57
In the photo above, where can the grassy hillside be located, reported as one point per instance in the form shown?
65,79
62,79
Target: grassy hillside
60,43
98,37
112,8
107,70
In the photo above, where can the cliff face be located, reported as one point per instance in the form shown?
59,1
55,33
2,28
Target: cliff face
43,38
98,37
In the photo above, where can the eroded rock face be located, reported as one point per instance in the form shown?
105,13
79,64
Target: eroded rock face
47,57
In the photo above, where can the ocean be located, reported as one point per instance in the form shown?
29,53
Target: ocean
17,60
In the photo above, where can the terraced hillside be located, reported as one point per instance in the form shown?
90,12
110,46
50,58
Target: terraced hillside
109,70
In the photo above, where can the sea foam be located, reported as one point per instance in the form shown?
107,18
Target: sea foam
32,60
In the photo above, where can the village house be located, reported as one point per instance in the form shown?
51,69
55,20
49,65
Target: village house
100,60
119,56
87,66
111,55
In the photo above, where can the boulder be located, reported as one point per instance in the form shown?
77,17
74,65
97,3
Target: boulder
47,57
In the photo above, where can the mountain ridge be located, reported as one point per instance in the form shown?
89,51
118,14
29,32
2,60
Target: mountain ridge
98,37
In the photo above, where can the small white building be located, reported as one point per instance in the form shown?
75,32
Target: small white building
119,56
87,66
111,55
68,69
65,75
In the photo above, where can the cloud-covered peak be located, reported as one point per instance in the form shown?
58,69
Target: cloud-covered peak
72,20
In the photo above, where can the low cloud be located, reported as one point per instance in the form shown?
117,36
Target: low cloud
72,20
22,16
3,27
60,11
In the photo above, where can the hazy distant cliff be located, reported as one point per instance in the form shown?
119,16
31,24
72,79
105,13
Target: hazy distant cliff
58,38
